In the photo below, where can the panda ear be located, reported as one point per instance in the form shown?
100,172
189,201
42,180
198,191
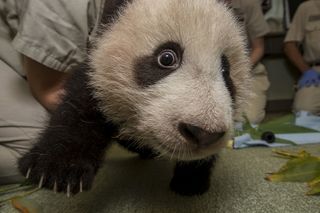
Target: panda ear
111,11
110,14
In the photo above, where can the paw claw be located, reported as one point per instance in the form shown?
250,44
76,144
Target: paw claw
68,190
81,186
28,173
55,187
59,175
41,182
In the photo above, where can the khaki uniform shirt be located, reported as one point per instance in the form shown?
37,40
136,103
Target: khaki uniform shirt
305,29
249,13
52,32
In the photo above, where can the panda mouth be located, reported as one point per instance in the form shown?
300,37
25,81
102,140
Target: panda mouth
187,151
172,151
187,142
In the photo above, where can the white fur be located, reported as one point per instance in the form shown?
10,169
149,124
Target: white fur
195,93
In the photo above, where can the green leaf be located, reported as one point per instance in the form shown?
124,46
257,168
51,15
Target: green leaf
284,124
290,155
315,189
284,141
314,182
301,169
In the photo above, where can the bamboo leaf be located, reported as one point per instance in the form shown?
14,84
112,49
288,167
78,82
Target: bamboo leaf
290,155
284,124
314,182
315,189
284,141
302,169
20,195
25,205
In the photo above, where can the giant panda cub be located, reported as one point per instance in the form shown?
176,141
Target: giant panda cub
164,78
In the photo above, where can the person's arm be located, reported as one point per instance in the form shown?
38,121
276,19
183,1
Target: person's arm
45,83
257,50
309,75
292,52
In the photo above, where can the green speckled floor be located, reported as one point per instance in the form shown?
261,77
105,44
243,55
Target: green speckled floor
128,184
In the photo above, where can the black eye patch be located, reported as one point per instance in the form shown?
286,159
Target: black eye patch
165,59
225,68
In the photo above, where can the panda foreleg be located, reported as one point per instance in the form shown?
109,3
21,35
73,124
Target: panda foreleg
70,150
193,177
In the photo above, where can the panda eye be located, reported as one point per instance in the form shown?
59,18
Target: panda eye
225,65
168,59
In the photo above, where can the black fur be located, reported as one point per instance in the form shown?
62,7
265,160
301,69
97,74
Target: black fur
72,146
225,64
192,178
111,9
147,69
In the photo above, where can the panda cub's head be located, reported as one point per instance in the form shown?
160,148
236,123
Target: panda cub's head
173,74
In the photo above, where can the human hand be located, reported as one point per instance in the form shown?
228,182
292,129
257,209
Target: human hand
309,78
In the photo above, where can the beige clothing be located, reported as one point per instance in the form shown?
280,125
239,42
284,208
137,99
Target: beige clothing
255,111
249,13
52,32
308,99
21,118
305,29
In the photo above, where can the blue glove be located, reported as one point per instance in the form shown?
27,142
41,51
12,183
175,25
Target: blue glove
309,78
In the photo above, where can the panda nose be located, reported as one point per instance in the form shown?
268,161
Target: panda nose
198,135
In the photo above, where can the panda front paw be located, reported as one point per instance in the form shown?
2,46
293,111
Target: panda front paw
58,173
189,186
193,177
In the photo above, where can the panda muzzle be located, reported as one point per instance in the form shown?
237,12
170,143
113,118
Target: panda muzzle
199,136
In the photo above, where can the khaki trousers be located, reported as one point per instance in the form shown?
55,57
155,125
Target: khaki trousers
308,98
255,111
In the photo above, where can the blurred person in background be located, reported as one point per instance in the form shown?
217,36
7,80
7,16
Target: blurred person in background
249,14
305,30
